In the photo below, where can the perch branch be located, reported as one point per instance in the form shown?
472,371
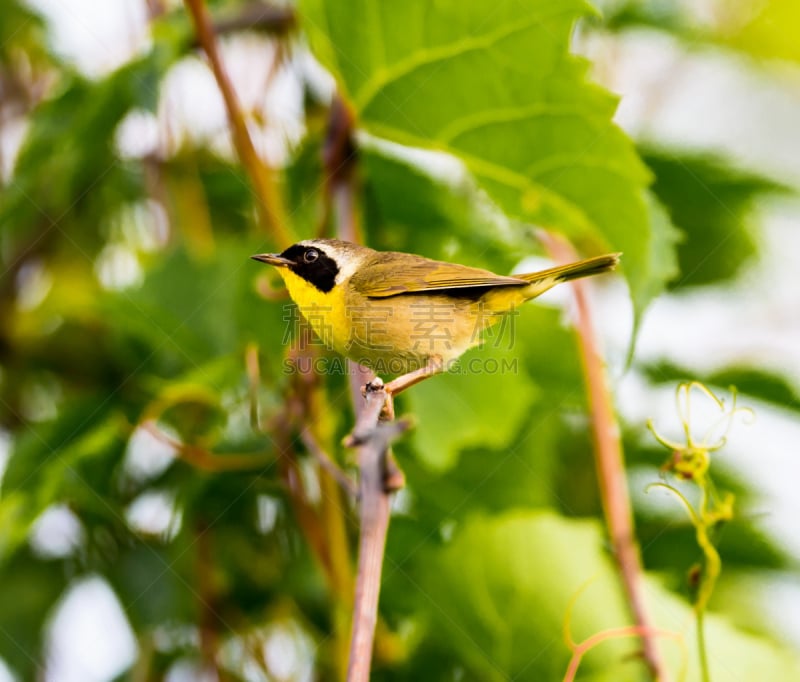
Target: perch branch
371,437
268,199
610,463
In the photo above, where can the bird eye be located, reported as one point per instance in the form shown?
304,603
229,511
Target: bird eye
311,255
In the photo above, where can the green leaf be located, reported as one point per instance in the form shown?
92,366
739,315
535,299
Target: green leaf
66,461
68,162
502,589
711,204
762,30
530,363
768,32
464,417
198,308
499,593
759,383
31,588
733,653
149,581
21,28
495,86
661,262
755,382
409,209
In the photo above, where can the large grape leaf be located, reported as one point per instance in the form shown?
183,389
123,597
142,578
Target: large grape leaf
489,394
457,222
494,84
500,591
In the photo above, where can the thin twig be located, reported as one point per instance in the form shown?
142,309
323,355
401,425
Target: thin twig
258,16
327,463
268,197
610,463
203,459
580,650
339,160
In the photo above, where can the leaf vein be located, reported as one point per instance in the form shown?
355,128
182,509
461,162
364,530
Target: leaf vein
427,56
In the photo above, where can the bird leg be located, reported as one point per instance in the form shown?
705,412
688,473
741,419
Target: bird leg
394,479
404,381
401,383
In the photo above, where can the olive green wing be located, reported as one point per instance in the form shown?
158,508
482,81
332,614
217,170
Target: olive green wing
391,274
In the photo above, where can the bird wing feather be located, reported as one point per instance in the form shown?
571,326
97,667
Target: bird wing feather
392,274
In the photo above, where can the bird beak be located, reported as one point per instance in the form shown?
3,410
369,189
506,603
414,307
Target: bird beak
272,259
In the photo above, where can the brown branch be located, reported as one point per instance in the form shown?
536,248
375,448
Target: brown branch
609,460
326,462
268,198
201,458
339,160
371,437
257,16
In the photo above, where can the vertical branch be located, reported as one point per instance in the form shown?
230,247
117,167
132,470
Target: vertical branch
371,437
339,159
268,198
610,463
371,544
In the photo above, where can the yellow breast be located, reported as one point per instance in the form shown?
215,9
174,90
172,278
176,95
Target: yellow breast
324,312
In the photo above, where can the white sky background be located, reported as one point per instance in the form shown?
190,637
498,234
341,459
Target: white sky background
684,101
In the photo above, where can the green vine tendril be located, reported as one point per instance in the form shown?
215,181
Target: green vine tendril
690,461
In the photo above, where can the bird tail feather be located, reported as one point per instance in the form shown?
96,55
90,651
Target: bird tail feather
543,280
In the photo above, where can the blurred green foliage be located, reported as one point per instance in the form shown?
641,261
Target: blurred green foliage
134,325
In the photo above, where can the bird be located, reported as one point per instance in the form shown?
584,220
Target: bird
404,314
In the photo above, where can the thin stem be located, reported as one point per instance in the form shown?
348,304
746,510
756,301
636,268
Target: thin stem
204,460
580,650
610,463
326,462
268,199
269,19
708,578
339,158
701,647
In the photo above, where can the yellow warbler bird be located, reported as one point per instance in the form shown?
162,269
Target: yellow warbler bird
403,313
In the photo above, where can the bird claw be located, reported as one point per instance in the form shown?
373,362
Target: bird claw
372,386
